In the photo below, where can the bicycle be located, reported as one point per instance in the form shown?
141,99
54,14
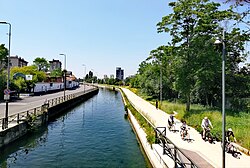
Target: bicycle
208,135
171,127
185,136
230,148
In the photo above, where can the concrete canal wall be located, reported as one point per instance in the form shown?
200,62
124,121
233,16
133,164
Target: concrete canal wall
58,109
151,153
32,121
11,134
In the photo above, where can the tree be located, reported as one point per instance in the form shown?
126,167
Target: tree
3,57
22,84
191,64
3,66
56,73
42,64
190,22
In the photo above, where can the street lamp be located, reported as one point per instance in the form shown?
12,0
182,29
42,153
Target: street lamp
8,78
64,75
84,76
162,52
218,41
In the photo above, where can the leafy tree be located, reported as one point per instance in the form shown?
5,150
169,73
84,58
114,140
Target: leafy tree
191,22
3,57
42,64
190,65
21,84
2,84
134,81
3,65
56,73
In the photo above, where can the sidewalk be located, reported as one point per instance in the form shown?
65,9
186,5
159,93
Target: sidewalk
212,153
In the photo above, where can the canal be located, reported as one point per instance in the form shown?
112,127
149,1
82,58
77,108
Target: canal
93,134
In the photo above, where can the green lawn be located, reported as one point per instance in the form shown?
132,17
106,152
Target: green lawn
239,122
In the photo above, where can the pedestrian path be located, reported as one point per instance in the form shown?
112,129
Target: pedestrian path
212,153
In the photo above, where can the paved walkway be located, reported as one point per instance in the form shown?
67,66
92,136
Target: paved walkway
212,153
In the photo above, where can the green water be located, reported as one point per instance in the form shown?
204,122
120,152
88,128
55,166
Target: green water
93,134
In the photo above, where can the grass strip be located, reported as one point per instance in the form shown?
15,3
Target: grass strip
238,121
149,130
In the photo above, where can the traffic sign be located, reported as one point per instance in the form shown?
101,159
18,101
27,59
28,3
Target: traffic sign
6,97
6,91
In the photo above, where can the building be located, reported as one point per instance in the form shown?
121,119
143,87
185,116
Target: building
119,73
55,64
112,76
16,61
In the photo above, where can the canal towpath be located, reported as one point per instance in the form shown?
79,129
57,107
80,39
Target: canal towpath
212,153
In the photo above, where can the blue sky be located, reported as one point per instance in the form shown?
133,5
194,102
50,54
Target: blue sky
100,34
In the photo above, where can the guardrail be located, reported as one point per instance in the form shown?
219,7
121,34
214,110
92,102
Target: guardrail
24,115
169,148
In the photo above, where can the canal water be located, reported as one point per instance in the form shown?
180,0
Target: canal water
93,134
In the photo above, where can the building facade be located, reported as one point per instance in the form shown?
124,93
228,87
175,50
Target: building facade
16,61
55,64
119,73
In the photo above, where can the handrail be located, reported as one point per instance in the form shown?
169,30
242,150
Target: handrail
21,116
167,141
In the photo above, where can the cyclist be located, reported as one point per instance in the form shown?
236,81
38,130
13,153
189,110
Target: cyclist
170,121
183,129
205,126
228,144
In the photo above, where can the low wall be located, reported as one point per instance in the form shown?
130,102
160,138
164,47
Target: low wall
155,161
15,132
151,153
55,111
9,135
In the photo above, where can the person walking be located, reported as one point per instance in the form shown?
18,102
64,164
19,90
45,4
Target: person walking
156,104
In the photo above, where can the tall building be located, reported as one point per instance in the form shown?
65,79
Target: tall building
55,64
17,61
119,73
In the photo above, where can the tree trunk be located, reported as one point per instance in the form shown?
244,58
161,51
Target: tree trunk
188,102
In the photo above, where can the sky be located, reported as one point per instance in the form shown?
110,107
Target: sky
100,34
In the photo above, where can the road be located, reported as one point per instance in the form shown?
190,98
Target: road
212,153
34,101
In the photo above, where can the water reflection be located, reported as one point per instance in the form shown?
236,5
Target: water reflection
93,134
22,147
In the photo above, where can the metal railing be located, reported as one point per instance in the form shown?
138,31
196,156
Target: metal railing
170,149
22,116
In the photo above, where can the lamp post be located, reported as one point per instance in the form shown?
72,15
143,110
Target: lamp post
5,125
64,75
84,76
161,78
223,95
